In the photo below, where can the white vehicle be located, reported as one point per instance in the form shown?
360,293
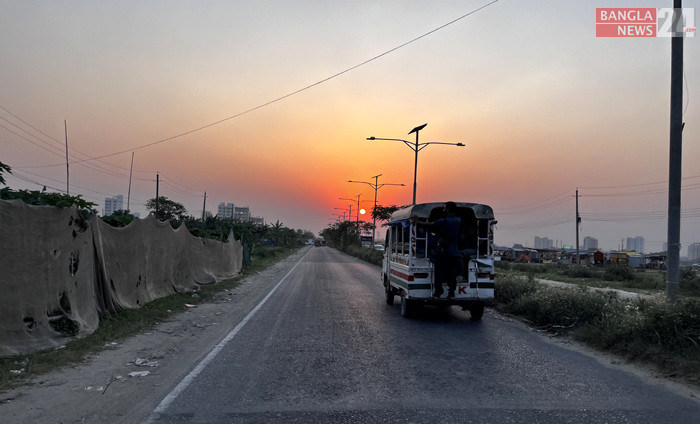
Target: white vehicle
408,269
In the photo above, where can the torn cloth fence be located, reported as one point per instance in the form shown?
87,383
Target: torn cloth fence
58,271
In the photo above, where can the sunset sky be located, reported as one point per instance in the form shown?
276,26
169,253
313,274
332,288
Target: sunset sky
542,105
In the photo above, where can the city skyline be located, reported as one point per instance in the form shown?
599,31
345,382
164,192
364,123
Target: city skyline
540,115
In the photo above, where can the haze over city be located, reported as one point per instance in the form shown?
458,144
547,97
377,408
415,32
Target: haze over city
542,105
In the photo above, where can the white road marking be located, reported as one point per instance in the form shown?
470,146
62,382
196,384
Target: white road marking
170,398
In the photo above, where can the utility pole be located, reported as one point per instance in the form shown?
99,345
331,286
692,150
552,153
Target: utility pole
65,126
131,171
157,185
578,222
675,156
376,186
415,162
204,207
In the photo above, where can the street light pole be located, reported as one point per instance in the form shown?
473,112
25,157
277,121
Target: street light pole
415,162
416,147
358,207
376,186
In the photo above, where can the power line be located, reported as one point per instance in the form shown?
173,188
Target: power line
55,151
636,185
278,99
179,189
537,208
644,192
537,224
60,143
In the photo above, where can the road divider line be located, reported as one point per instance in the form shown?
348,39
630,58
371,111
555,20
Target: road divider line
170,398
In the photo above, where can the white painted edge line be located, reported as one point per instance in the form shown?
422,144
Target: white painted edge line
170,397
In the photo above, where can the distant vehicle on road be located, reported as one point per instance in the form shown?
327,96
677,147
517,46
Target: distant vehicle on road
408,268
319,242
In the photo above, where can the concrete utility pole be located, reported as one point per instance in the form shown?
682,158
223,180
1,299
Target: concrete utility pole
204,207
131,171
157,185
675,156
65,126
578,222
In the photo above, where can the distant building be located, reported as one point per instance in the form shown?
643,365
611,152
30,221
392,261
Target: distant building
113,204
225,210
665,249
257,220
543,243
635,244
242,214
694,252
590,243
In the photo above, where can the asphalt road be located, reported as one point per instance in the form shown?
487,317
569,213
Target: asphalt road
325,348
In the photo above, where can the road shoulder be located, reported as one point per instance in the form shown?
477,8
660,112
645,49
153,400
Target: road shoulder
125,382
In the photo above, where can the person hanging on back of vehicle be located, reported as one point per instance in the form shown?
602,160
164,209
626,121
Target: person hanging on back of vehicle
447,255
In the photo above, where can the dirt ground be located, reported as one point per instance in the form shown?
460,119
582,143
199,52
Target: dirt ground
101,390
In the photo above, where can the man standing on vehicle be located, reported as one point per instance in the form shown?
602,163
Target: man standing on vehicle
447,258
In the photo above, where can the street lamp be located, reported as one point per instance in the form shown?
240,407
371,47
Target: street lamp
358,207
416,147
344,211
376,186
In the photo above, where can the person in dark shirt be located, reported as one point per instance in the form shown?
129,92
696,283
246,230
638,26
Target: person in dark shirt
447,256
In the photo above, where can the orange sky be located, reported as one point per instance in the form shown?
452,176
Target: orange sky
542,105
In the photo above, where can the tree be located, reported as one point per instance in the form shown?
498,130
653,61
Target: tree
167,209
4,168
383,213
119,219
342,234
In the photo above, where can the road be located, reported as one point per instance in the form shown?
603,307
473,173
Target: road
325,348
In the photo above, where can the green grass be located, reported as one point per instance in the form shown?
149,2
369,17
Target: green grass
650,331
128,323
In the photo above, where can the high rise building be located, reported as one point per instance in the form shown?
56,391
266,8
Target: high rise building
113,204
242,214
694,252
543,243
635,244
225,210
590,243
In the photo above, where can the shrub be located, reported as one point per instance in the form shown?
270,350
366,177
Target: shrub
372,256
579,272
510,288
647,328
501,265
564,307
618,273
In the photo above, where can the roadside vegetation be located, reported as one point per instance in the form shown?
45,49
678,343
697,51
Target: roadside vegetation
648,281
129,322
647,330
345,235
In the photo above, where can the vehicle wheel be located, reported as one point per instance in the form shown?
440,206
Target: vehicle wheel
476,311
389,294
406,307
